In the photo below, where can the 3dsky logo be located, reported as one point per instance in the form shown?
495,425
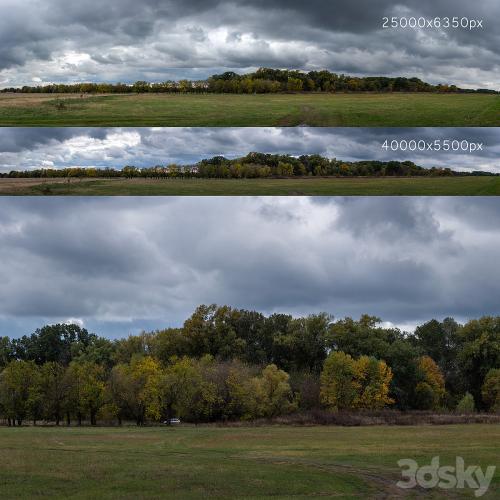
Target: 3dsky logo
445,476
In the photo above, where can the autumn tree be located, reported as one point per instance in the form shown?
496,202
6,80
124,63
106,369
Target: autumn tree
430,390
372,382
348,383
239,402
338,390
270,393
133,389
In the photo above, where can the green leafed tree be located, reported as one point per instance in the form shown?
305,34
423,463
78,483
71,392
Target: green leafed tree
18,382
466,404
270,393
491,390
86,384
338,389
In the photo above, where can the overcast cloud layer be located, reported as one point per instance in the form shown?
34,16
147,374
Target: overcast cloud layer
30,148
155,40
120,265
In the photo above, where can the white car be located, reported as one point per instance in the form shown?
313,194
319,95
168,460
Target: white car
172,421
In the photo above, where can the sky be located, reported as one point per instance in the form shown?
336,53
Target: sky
44,41
121,265
30,148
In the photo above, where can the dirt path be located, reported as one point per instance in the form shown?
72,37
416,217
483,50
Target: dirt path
305,117
386,486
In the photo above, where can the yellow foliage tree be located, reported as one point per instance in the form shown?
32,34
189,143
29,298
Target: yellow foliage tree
347,383
430,391
136,388
273,392
372,381
338,390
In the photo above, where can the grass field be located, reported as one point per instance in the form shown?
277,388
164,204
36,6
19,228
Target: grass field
357,110
242,462
439,186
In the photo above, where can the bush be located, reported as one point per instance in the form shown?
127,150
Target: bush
424,396
466,404
60,105
350,418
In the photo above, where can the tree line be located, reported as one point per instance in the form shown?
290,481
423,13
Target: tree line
228,364
254,165
262,81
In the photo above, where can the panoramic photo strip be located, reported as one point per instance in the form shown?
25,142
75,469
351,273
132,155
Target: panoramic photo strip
312,349
250,63
249,161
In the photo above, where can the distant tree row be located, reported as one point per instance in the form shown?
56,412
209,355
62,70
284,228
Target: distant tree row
254,165
234,364
263,81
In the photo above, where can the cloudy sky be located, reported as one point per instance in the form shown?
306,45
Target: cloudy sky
127,40
28,148
118,265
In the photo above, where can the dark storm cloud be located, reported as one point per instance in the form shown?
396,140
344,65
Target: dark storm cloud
120,265
56,40
407,220
26,148
14,140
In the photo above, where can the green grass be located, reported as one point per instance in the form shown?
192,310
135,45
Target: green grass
226,463
415,186
357,110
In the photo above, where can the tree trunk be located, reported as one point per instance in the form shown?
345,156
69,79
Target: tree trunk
68,419
169,413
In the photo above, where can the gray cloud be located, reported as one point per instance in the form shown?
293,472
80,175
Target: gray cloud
26,148
14,140
121,265
53,40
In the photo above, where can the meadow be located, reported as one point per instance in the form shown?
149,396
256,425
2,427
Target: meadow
188,462
209,110
319,186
